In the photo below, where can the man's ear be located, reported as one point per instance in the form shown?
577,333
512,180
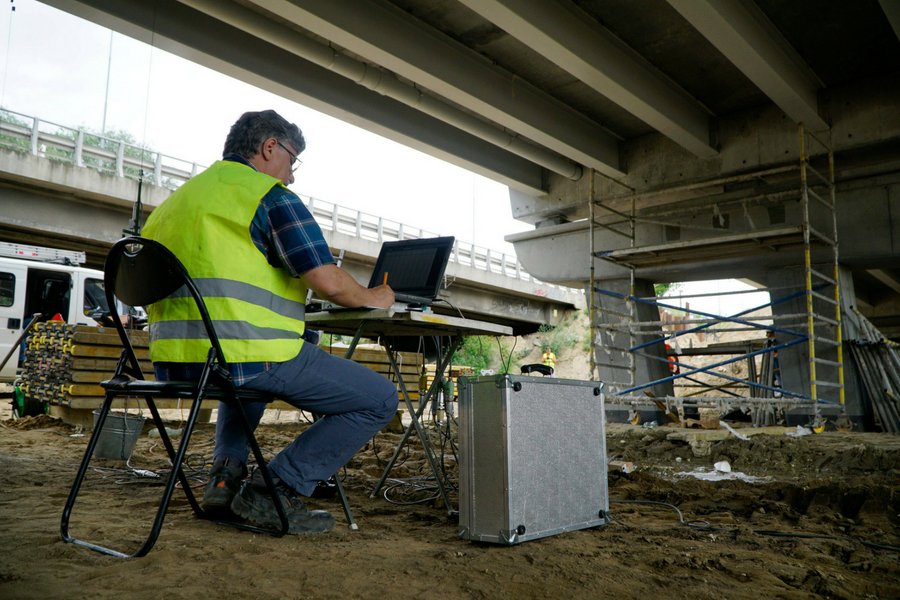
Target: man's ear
267,150
264,154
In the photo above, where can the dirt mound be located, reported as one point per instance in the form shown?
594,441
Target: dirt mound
35,422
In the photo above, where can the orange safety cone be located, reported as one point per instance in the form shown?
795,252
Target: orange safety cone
57,317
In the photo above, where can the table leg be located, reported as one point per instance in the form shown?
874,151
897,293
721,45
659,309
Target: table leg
416,415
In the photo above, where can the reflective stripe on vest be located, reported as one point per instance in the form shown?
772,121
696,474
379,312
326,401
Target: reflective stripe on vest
226,330
211,287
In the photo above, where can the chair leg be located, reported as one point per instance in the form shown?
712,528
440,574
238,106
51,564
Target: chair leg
345,503
267,477
79,479
170,450
175,474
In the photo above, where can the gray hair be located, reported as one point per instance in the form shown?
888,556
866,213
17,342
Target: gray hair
253,128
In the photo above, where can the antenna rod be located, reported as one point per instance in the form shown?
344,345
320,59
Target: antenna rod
134,227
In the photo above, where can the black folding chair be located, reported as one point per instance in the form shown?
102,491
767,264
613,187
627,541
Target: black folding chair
140,272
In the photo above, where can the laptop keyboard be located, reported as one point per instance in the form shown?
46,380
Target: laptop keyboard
411,299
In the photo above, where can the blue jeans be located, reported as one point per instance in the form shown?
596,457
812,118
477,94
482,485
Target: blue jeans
354,402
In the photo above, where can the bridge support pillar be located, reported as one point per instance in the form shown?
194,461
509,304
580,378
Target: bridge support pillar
621,325
794,362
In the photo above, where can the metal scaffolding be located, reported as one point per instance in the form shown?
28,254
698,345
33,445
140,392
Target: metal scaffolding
812,332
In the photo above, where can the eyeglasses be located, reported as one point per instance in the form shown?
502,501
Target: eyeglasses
295,160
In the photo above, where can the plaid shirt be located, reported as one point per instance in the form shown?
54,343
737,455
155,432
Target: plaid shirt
287,234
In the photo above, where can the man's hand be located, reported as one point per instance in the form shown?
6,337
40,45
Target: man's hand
384,296
335,285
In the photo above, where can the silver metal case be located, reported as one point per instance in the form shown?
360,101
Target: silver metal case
532,457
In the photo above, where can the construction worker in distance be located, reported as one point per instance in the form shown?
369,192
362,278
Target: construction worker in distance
674,369
548,358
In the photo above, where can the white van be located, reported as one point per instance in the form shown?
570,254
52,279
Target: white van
47,281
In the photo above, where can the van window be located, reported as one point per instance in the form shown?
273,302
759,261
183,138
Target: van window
7,289
48,293
95,298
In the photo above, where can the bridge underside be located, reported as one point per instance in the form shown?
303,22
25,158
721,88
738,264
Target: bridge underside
655,103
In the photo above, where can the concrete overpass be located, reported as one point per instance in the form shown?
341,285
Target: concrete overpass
679,119
63,189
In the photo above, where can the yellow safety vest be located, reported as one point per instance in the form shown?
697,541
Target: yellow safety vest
549,358
257,309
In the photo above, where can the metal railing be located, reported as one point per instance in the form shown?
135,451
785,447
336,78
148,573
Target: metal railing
364,226
75,146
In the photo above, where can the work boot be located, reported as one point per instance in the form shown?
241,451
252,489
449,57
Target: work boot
224,481
254,503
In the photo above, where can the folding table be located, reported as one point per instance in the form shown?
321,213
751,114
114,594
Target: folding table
390,324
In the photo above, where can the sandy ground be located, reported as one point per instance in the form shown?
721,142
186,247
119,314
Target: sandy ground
822,523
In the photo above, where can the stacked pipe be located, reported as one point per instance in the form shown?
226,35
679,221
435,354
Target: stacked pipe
64,364
878,363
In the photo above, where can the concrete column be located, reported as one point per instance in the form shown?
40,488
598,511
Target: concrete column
795,361
611,345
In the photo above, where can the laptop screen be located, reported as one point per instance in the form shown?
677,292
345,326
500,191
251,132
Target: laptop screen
413,267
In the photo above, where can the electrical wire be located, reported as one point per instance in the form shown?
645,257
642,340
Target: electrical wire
509,357
136,475
452,306
411,485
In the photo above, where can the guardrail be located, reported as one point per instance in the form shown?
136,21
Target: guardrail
75,146
360,225
119,158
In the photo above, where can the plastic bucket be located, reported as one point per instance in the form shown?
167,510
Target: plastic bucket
119,434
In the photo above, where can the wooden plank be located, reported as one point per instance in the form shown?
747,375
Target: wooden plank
137,336
376,355
78,418
105,351
101,364
410,370
139,339
98,376
89,376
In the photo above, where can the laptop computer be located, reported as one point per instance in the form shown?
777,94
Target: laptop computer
413,268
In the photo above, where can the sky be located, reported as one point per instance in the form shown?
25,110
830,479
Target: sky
72,72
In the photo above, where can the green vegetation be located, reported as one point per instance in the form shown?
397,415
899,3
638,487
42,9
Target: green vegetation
485,352
660,289
14,142
475,352
565,336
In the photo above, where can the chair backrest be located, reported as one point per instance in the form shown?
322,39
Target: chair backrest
139,272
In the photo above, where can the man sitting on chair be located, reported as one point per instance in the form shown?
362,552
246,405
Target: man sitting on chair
253,249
